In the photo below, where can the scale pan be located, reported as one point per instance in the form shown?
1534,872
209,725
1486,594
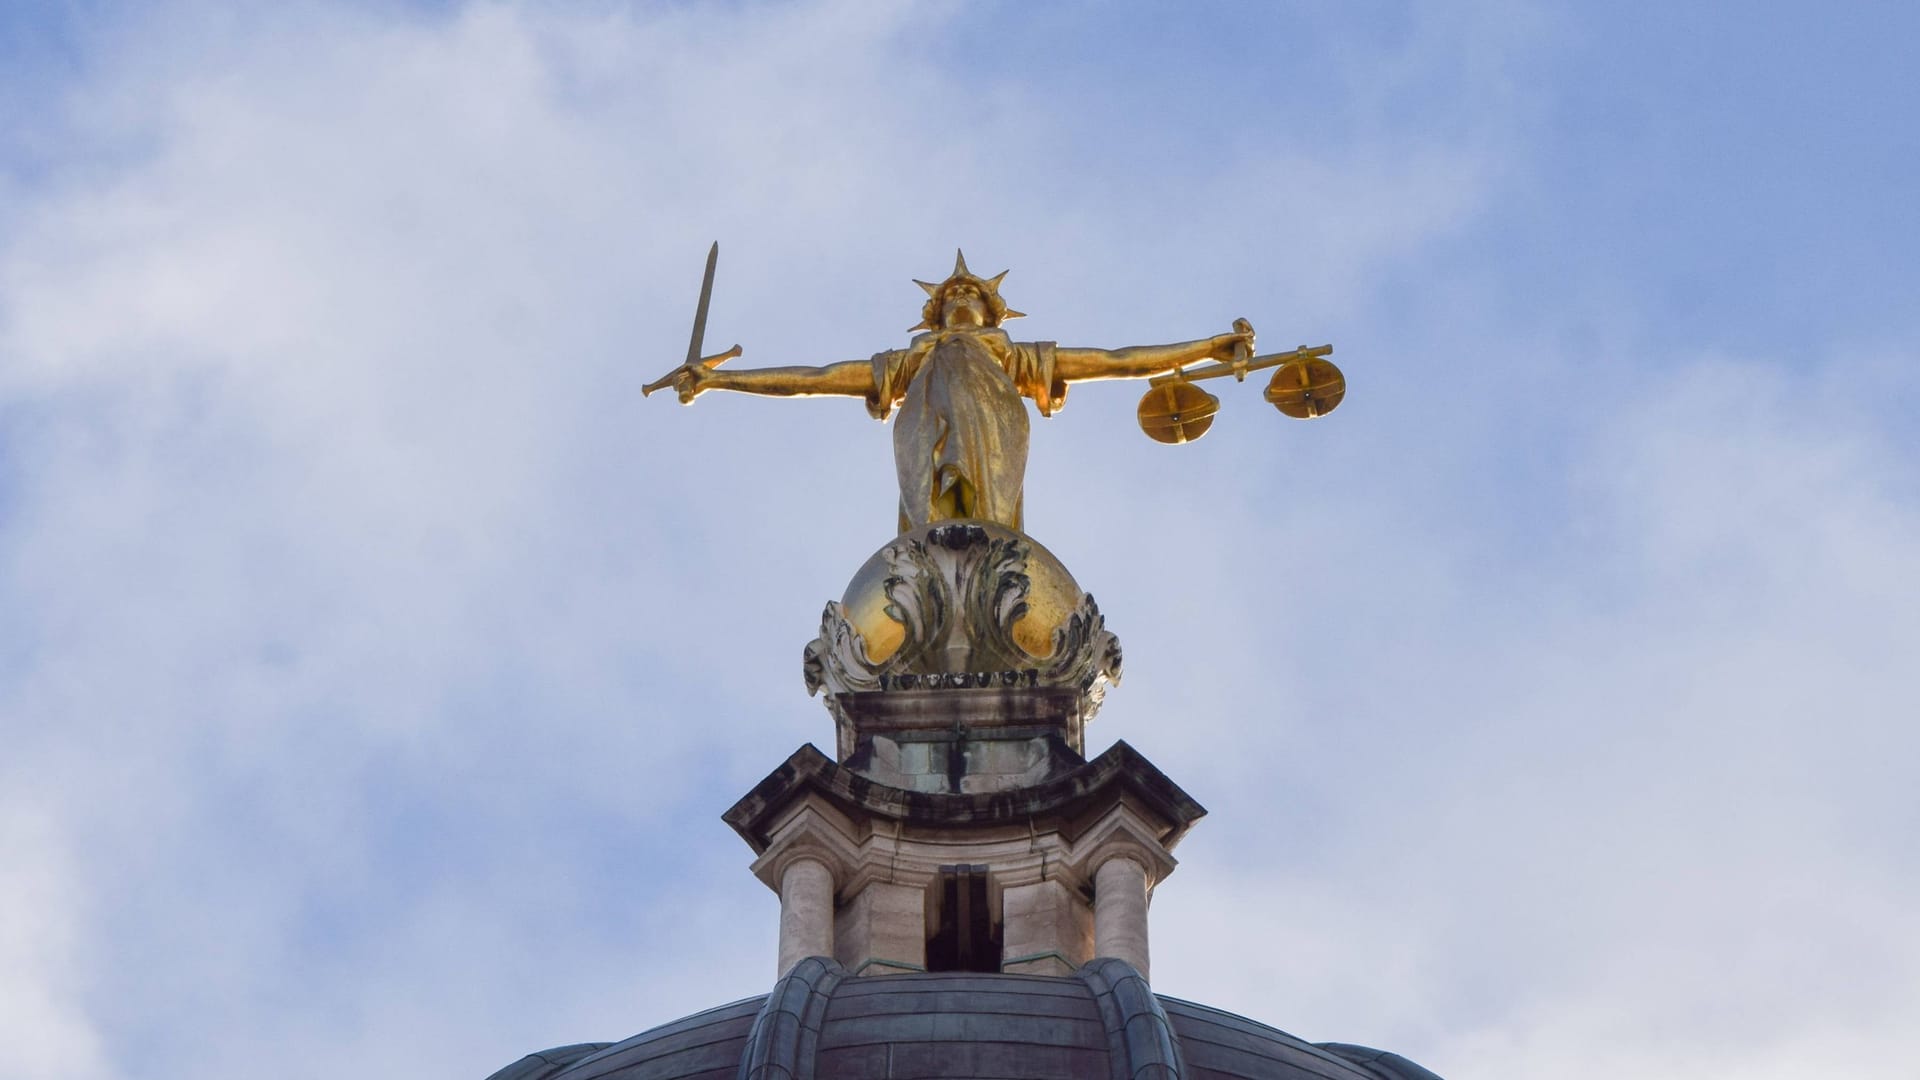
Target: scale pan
1304,389
1177,412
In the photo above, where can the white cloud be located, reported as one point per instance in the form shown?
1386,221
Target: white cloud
1656,821
42,954
376,663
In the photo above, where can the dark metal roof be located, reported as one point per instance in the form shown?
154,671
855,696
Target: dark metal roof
1103,1022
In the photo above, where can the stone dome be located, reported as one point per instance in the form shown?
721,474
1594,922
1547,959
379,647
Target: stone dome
1101,1022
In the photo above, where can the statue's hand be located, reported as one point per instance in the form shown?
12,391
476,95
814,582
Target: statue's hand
1234,348
688,380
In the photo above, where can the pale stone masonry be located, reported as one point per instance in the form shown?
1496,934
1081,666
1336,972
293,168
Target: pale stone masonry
806,911
882,929
1049,930
1120,911
1069,864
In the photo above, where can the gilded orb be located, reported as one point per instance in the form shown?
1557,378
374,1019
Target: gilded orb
1052,595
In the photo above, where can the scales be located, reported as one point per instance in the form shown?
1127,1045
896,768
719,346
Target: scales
1305,386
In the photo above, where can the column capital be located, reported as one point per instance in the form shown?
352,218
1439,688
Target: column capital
1121,833
816,831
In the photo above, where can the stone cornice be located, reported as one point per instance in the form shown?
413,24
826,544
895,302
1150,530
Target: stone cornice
1119,772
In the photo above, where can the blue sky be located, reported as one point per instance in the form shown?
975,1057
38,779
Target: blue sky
375,664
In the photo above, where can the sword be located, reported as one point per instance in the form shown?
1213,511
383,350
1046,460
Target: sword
694,359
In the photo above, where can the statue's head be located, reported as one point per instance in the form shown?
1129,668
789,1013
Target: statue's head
964,300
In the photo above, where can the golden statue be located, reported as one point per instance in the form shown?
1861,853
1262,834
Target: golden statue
963,598
960,439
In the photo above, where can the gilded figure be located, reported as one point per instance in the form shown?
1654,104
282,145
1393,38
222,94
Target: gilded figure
954,394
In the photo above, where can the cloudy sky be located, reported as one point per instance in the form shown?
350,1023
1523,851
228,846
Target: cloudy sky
375,664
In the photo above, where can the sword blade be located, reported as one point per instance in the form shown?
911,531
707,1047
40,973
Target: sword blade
700,313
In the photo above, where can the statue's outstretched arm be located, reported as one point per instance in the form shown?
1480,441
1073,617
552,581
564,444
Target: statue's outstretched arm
850,378
1144,361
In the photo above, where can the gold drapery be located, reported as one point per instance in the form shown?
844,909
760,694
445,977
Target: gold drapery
960,440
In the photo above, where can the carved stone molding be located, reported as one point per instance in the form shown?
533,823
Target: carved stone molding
959,596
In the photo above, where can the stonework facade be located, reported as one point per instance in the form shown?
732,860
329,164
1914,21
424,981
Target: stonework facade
1068,865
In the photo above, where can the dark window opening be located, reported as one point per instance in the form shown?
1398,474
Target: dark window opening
968,938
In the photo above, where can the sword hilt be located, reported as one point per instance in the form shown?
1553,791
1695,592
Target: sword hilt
704,362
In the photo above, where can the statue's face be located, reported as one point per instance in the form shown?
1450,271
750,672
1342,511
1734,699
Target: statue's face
962,305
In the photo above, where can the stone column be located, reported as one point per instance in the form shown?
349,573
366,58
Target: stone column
1120,911
806,912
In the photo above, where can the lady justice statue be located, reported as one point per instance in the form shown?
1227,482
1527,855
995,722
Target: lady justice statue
962,597
960,439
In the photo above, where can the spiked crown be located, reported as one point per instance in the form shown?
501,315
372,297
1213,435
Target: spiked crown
989,289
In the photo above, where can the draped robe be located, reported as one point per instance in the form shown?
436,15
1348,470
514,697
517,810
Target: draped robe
960,440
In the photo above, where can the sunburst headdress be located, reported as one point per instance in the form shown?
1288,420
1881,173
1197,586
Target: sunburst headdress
989,288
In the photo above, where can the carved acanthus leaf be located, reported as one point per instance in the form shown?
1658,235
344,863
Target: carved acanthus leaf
957,591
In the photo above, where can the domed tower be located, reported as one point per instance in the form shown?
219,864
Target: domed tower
963,893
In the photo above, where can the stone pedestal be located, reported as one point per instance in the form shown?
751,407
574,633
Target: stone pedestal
963,657
962,827
961,739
